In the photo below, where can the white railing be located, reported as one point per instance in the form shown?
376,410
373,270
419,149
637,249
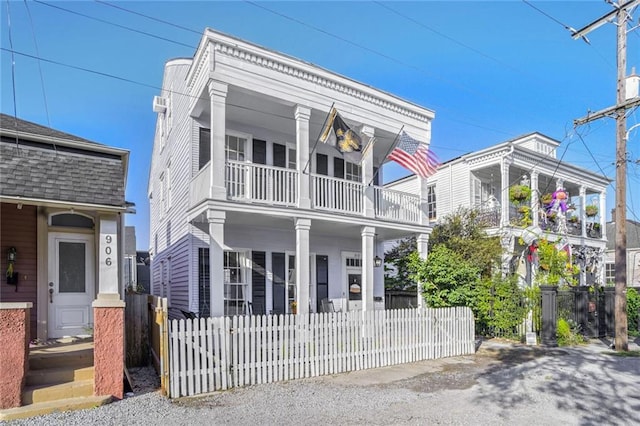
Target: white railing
259,183
210,354
396,205
337,195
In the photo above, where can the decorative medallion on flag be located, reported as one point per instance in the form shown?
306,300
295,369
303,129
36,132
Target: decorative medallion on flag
414,156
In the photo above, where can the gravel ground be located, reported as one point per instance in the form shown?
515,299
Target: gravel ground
501,384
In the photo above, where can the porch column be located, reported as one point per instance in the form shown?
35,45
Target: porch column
302,114
218,99
583,216
535,205
216,221
504,196
422,241
302,264
366,288
603,214
14,356
108,315
367,172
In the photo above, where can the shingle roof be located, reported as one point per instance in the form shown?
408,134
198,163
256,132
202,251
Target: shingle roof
9,123
633,235
43,171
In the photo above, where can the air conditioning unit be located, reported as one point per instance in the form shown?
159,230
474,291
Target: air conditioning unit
159,104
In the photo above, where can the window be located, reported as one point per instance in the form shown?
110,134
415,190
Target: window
480,192
72,220
609,272
163,195
431,202
204,148
353,172
353,264
168,185
204,292
234,148
234,283
291,164
291,280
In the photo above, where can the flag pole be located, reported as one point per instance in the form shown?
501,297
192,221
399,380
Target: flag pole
318,138
393,145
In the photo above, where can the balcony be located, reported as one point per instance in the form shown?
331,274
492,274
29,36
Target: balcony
278,187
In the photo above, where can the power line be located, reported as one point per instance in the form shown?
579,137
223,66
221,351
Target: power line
104,21
162,21
13,70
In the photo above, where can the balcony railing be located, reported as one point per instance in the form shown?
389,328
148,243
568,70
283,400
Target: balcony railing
337,195
277,186
396,205
263,184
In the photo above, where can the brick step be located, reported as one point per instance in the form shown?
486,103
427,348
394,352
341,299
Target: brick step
39,409
44,393
51,376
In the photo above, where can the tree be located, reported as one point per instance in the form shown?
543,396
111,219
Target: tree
447,279
465,234
398,258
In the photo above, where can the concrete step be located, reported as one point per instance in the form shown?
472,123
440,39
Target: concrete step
52,376
42,408
44,393
72,357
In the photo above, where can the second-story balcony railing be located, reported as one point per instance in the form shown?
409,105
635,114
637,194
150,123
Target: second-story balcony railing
259,183
278,186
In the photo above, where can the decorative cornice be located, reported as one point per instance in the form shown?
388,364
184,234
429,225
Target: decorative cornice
293,70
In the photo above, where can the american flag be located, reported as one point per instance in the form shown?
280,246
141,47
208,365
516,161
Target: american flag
414,156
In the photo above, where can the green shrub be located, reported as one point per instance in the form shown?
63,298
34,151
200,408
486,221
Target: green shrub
633,310
500,306
568,334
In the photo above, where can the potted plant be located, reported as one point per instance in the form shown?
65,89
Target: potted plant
573,219
519,193
546,199
294,307
591,210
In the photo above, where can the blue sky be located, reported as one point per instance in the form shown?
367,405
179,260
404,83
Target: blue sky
490,70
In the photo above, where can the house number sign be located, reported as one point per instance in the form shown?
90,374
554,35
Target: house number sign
108,256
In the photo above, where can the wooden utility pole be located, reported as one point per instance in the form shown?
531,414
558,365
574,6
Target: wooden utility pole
620,15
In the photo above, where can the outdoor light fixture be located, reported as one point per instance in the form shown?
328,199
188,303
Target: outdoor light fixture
11,254
377,261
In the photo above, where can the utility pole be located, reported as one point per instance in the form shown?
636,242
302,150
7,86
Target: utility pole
620,15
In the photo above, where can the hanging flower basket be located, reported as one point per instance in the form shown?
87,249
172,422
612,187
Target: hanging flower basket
591,210
546,199
519,193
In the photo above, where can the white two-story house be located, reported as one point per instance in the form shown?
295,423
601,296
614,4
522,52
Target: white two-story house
487,180
249,212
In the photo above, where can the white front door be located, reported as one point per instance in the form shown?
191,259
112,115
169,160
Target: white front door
71,287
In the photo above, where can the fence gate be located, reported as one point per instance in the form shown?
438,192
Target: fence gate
591,309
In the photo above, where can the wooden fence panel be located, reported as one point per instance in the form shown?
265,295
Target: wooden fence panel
220,353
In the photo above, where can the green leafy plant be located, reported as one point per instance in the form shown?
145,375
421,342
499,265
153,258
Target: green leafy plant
397,265
519,193
568,333
633,311
500,305
546,199
555,268
591,210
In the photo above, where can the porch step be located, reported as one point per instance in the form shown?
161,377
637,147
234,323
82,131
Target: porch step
58,375
48,407
46,393
77,356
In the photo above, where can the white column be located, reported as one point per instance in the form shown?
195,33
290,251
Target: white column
216,262
368,234
302,264
603,214
302,114
583,216
504,194
422,241
535,205
367,173
108,255
218,96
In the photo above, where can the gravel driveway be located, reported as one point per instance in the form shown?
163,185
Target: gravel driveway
501,384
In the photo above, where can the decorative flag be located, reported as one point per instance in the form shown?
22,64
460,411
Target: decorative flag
340,136
414,156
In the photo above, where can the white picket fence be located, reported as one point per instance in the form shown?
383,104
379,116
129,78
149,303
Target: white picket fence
210,354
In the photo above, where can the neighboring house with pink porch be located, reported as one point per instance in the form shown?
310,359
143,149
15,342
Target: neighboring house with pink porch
62,206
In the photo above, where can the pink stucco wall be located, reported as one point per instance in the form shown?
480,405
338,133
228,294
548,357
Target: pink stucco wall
14,355
108,352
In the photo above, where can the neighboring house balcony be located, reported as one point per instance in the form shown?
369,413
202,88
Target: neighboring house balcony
524,197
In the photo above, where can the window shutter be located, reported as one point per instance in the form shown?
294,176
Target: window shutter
204,148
